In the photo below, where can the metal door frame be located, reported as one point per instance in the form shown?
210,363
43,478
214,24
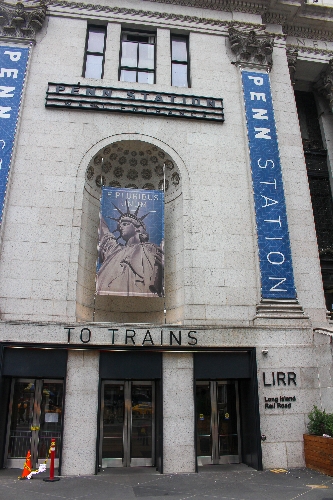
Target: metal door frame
214,425
34,440
126,460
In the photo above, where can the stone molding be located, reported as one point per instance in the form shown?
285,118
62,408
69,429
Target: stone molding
21,22
325,83
270,309
312,34
311,50
252,48
223,5
292,55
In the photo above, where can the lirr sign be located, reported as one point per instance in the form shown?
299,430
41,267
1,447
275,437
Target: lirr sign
152,103
277,279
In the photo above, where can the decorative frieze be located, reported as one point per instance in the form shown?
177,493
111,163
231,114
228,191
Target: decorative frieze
251,47
292,55
224,5
273,18
325,83
21,22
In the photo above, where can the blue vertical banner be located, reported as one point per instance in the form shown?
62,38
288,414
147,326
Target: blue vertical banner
277,278
131,243
13,67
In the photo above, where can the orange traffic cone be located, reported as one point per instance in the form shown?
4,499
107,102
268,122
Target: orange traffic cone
27,466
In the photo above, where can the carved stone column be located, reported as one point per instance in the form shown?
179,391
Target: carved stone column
252,50
19,22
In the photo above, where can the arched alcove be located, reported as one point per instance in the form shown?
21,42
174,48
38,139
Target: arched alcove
132,164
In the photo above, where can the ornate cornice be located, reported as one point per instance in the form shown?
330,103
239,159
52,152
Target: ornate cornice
312,34
311,50
292,55
21,22
224,5
325,83
152,15
251,47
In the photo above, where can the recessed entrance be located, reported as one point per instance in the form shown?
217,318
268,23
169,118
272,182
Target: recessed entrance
34,416
127,424
217,421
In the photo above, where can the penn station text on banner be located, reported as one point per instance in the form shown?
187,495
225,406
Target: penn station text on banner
277,281
13,63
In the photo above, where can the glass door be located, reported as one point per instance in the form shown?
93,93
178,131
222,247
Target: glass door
127,424
217,420
34,416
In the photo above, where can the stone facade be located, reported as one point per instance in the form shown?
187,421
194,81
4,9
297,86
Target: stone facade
212,272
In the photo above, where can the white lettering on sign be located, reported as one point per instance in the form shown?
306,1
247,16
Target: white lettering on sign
269,201
274,287
8,72
277,263
267,162
262,133
13,56
260,114
6,91
4,111
257,80
269,183
277,220
258,96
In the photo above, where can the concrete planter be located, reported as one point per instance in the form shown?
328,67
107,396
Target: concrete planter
318,452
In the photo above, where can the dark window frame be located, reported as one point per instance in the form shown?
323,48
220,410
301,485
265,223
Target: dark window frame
136,68
98,28
185,38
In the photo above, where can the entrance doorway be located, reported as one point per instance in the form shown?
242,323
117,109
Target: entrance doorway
127,424
217,421
34,417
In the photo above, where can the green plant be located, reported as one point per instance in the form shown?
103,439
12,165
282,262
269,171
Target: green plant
320,422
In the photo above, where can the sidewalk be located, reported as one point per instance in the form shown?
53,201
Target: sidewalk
226,482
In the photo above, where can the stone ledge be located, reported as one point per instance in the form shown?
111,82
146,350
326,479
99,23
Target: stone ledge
270,311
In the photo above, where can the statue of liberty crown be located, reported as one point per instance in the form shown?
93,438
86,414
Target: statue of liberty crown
129,215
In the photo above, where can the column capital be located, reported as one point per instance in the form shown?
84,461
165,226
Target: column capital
292,55
21,23
325,83
252,48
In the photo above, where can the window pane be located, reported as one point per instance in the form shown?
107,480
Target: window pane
179,75
127,76
146,56
94,66
145,77
129,56
96,41
179,50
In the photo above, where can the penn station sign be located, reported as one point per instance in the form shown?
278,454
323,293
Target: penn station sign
144,102
277,279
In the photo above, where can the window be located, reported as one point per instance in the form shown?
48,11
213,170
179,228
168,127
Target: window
137,62
179,61
95,48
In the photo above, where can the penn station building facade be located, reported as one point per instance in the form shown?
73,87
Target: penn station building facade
193,333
